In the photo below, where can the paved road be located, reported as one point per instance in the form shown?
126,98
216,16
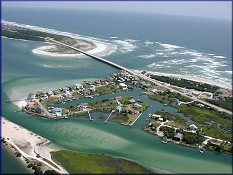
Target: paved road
141,76
44,109
59,169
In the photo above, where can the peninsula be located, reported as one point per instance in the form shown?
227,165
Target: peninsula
30,33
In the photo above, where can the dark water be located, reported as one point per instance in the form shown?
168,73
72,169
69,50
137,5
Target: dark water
11,164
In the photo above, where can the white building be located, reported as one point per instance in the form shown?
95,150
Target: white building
79,86
57,111
123,86
192,127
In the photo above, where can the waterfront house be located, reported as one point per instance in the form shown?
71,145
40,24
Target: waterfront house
155,116
78,86
30,106
132,111
83,106
178,136
97,82
213,143
92,89
118,109
49,93
119,98
176,101
132,100
72,87
123,86
137,106
38,110
31,97
154,90
192,127
57,111
86,92
40,94
67,94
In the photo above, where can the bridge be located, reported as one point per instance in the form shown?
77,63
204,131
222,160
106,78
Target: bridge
138,75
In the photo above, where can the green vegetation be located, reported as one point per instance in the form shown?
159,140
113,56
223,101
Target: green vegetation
224,147
186,83
18,154
85,163
168,131
201,115
214,131
192,138
176,120
225,103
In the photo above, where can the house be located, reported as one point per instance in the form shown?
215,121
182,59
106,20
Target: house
86,92
192,127
38,110
118,109
132,111
178,136
119,98
155,116
67,94
132,100
176,101
154,90
78,86
72,87
30,106
213,143
92,89
57,111
137,106
97,82
49,93
39,94
83,106
123,86
31,97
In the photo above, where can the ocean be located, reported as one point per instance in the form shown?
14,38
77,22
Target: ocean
190,47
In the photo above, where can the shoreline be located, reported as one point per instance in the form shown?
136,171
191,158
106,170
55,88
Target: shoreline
188,77
29,145
101,49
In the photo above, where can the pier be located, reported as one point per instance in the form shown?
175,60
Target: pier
135,120
11,101
89,116
108,117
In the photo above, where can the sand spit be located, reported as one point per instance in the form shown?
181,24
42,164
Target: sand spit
29,144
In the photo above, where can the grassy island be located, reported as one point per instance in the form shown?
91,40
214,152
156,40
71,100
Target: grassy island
85,163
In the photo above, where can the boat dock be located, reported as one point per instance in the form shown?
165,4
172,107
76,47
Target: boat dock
89,116
135,120
108,117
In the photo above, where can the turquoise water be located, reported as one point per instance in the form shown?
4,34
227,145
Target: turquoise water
24,72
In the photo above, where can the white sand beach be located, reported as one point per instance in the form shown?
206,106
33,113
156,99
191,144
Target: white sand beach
187,77
100,49
29,144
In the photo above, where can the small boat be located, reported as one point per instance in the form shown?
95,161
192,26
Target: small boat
165,104
202,151
164,141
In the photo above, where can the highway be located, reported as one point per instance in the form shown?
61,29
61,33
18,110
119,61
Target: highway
139,75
